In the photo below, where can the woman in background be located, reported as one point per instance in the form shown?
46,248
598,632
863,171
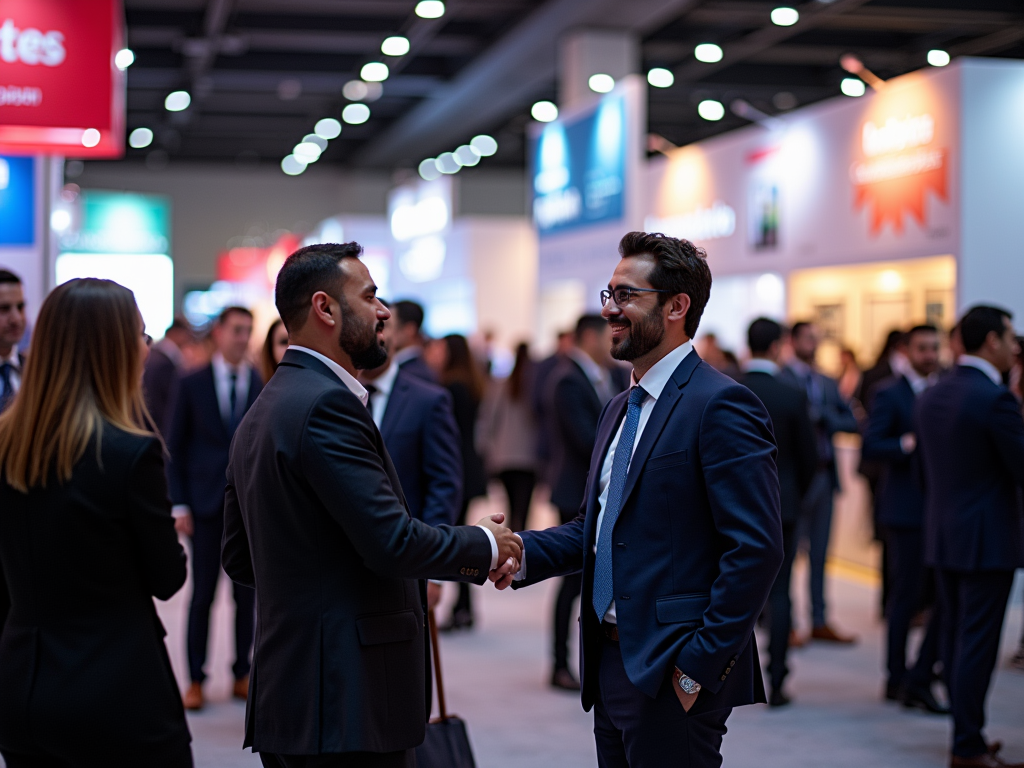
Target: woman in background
274,347
86,542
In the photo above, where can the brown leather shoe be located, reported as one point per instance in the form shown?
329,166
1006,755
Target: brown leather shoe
193,698
796,640
241,689
826,634
985,760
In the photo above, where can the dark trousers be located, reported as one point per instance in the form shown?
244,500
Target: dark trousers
973,606
571,587
179,757
816,527
519,485
464,603
206,571
780,606
908,576
406,759
634,731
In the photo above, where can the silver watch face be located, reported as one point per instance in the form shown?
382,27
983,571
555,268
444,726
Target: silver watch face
689,685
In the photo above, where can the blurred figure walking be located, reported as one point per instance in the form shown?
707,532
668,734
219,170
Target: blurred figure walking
165,364
12,329
86,542
408,341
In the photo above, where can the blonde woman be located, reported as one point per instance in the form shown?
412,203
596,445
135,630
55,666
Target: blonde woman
86,541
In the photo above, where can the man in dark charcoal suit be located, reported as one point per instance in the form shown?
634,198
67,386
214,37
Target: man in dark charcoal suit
797,460
316,521
679,539
164,365
208,406
408,341
12,329
971,438
890,440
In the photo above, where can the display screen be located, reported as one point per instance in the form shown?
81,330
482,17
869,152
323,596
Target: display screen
17,201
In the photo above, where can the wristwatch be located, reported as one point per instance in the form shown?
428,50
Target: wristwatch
689,686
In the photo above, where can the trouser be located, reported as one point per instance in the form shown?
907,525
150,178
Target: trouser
571,587
206,570
519,485
905,550
178,757
780,606
816,527
464,603
405,759
633,730
973,606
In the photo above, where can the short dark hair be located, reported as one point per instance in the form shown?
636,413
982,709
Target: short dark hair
6,276
308,270
798,327
978,322
762,333
407,311
679,267
923,328
228,311
589,323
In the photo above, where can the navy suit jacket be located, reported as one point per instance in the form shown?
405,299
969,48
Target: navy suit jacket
199,440
900,497
971,440
698,542
417,366
420,434
574,410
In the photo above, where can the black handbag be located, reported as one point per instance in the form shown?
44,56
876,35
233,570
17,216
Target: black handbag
447,742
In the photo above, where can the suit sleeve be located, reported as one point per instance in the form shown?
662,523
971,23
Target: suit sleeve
737,454
442,464
177,442
5,600
346,472
235,554
161,557
806,448
1007,430
837,416
577,427
881,441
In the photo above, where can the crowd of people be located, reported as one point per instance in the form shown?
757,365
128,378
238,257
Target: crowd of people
331,475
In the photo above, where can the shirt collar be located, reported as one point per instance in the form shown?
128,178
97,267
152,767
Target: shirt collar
917,382
762,365
386,381
403,356
594,371
222,368
800,368
982,365
654,380
14,358
346,378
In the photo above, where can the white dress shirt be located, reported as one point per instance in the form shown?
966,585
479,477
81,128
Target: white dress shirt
222,371
598,375
762,365
383,384
15,362
917,382
982,365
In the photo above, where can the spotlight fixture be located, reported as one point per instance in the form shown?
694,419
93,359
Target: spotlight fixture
938,57
711,110
177,101
397,45
544,111
124,58
709,53
430,9
374,72
328,128
660,77
140,138
852,86
601,83
355,114
785,16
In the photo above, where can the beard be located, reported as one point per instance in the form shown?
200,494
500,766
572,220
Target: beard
359,341
642,336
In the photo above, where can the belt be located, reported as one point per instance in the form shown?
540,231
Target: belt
611,631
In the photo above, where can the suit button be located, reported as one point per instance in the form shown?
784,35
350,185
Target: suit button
732,663
462,571
728,670
476,571
723,678
621,544
624,597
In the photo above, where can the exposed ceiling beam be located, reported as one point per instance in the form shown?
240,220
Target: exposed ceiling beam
997,41
797,55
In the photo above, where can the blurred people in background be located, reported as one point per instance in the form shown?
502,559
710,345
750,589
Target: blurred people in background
1017,387
849,373
86,542
797,461
274,347
970,435
166,362
541,383
507,437
417,423
461,376
720,359
208,406
12,328
829,413
408,352
890,439
956,345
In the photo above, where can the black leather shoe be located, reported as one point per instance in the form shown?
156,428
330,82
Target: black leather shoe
562,678
778,699
892,691
922,698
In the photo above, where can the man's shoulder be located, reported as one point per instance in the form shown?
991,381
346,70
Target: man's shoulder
199,375
891,388
781,392
419,388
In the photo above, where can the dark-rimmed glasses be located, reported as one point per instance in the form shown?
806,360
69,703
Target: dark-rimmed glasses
624,293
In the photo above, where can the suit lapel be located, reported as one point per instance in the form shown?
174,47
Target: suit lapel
397,402
606,431
214,401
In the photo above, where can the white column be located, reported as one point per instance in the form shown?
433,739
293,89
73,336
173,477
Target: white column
587,52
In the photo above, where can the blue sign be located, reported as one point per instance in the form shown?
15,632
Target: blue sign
17,201
579,169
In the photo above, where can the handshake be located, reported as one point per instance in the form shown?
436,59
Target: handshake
510,550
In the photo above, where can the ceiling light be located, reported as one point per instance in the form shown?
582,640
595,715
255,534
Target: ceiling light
90,137
374,72
292,165
447,163
428,169
466,155
785,17
544,111
852,86
355,114
601,83
711,110
430,9
140,138
938,57
395,45
660,77
124,58
312,138
307,151
709,53
484,145
60,219
354,90
177,101
328,128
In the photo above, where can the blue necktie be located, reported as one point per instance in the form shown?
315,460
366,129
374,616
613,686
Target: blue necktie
603,591
6,386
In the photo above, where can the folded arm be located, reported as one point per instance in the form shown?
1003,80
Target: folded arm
882,438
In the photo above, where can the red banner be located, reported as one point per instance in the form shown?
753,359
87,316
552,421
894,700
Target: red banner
60,92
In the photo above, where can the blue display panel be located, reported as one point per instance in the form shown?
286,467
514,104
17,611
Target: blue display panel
17,200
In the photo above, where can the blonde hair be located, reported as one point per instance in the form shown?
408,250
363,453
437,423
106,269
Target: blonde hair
85,368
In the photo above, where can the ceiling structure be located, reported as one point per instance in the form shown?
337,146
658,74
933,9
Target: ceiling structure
262,72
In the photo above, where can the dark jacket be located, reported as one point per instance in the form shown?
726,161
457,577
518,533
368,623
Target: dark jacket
698,542
159,381
423,441
794,436
198,442
900,498
466,408
83,668
418,367
315,520
971,441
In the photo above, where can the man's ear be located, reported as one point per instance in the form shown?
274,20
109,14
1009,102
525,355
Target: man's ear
678,306
322,308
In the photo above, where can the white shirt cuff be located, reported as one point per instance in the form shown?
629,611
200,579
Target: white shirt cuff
180,510
521,573
494,547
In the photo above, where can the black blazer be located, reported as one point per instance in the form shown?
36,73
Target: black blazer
83,668
900,497
794,435
971,440
158,383
423,441
418,367
315,520
466,409
698,542
199,440
574,409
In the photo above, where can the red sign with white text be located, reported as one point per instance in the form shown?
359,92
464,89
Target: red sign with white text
60,92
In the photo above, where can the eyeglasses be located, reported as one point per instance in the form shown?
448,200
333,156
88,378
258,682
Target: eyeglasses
624,293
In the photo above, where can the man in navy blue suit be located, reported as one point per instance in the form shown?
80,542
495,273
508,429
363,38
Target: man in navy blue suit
971,438
890,440
208,406
407,340
12,329
679,538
